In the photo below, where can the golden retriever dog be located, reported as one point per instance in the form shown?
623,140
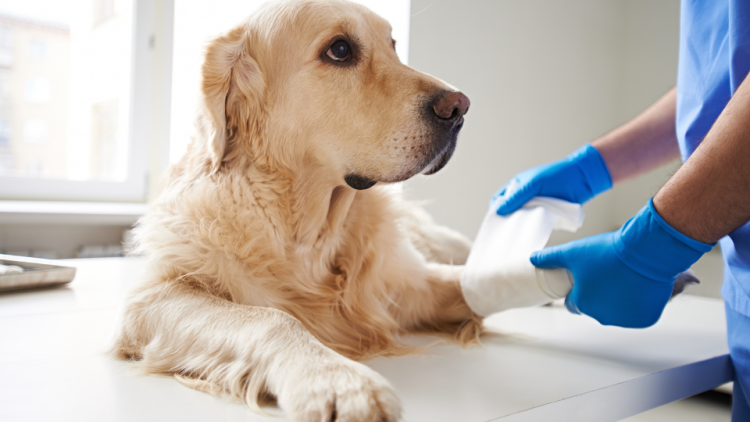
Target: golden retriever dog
278,254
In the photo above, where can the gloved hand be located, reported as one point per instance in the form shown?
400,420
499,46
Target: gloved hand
577,178
625,278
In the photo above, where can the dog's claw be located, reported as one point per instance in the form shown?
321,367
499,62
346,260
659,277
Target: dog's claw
683,280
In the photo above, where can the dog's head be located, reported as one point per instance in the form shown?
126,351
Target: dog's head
319,81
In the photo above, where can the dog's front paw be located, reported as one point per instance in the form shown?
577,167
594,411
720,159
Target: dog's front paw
341,391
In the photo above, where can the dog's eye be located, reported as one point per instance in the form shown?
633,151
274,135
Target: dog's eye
340,51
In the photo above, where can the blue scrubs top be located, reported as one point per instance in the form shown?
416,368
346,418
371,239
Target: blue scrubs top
714,60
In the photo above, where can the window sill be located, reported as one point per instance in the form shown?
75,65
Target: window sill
79,213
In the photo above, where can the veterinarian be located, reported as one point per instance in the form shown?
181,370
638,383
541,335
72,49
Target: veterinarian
625,278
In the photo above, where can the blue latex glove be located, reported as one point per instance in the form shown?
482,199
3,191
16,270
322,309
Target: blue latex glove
625,278
577,178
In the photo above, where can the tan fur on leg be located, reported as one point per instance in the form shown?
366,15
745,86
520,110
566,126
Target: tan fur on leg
247,352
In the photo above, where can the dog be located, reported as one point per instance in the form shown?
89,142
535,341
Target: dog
279,254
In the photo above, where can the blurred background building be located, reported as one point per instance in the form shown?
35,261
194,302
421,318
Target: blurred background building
34,69
64,89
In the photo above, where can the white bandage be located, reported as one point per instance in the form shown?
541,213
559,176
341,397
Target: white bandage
498,274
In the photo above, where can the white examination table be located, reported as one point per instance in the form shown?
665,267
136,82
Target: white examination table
548,366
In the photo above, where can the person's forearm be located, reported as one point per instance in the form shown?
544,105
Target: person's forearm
644,143
709,197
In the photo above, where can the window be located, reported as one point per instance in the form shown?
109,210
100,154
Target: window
104,141
34,169
37,49
6,45
103,10
4,132
35,131
37,90
6,35
74,90
7,162
3,85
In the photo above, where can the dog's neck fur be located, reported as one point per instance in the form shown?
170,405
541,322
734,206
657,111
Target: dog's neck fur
320,208
319,200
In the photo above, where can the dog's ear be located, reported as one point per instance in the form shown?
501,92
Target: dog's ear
233,88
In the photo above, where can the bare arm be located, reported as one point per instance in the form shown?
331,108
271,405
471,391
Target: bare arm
644,143
709,196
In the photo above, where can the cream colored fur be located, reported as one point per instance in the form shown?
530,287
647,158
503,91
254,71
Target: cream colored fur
267,274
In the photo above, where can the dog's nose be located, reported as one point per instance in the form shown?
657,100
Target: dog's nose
451,105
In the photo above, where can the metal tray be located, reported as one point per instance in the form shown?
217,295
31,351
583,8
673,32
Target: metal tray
36,273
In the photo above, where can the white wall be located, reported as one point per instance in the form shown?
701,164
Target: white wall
650,47
544,77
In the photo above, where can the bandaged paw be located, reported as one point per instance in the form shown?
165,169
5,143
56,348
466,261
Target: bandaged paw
498,274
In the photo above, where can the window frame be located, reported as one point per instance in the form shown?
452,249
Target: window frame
148,137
